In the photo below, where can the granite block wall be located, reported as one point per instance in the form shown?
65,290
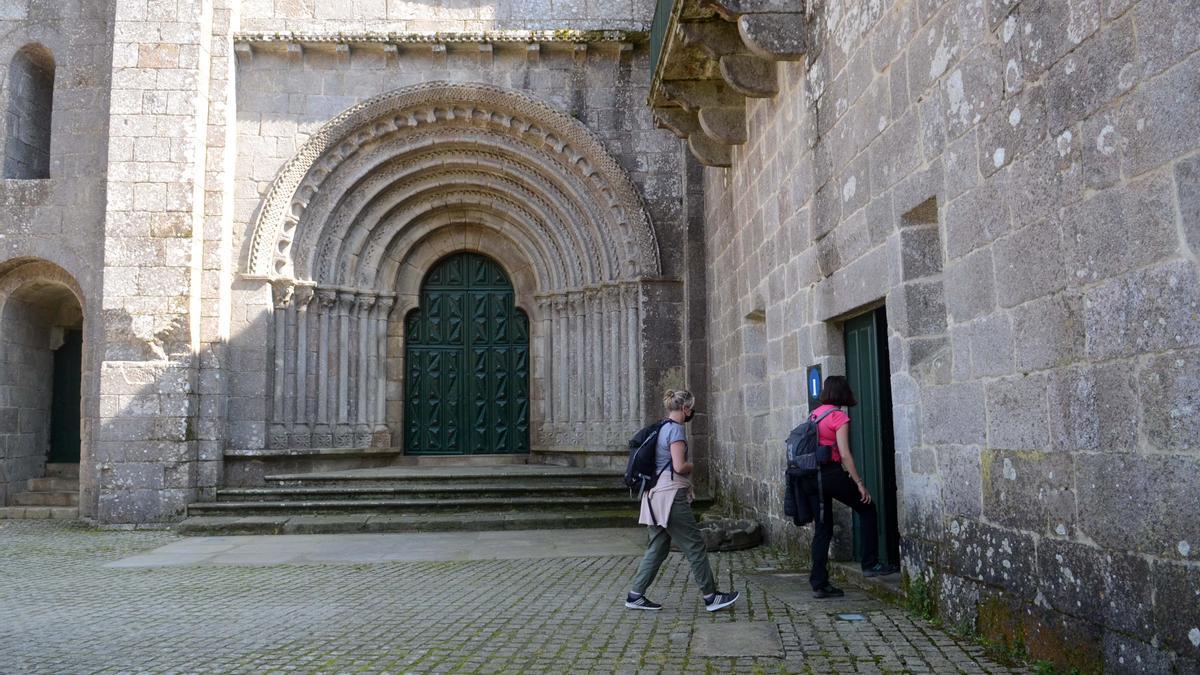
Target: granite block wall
1015,181
51,221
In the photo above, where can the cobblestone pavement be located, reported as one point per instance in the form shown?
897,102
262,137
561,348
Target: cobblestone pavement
62,610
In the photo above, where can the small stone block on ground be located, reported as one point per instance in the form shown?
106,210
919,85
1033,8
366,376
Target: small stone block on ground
741,639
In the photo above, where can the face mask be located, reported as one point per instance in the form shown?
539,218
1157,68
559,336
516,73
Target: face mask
688,417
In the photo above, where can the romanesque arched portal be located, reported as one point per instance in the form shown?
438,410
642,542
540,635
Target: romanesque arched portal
379,194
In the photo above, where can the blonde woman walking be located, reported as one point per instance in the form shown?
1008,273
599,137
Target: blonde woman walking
667,510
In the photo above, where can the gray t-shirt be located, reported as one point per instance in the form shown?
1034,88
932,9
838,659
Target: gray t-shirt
667,434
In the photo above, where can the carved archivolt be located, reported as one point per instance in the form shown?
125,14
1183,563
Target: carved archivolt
354,222
559,168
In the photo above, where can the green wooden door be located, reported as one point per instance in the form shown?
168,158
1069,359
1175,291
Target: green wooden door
467,362
64,404
871,438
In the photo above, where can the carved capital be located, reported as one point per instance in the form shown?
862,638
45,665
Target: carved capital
326,297
363,303
281,292
345,300
304,295
384,304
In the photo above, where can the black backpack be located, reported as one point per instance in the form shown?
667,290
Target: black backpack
639,470
804,452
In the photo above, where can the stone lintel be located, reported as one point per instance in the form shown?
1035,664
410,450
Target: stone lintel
750,75
725,125
709,152
776,36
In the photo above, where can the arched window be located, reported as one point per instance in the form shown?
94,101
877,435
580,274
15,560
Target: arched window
30,103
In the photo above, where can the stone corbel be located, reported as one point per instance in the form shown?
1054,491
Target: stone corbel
749,75
710,152
724,124
714,38
682,123
242,51
771,29
738,43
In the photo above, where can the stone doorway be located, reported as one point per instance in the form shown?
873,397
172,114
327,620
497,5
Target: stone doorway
467,356
41,364
871,433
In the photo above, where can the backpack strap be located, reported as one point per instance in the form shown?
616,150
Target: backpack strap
826,414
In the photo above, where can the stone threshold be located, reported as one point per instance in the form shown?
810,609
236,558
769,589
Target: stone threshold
885,588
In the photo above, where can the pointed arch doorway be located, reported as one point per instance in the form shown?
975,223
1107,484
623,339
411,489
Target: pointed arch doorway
467,361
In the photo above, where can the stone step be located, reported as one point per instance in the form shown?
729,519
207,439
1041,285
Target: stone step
393,475
53,485
391,522
411,505
424,489
46,499
59,470
39,513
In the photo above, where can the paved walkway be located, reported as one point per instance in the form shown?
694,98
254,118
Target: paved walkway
74,599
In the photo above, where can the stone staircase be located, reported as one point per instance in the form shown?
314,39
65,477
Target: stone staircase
56,496
420,498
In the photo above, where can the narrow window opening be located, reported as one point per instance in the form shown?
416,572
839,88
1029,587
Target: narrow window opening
30,108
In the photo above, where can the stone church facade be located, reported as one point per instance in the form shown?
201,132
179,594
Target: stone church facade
283,233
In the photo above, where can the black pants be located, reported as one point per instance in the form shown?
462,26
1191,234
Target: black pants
837,484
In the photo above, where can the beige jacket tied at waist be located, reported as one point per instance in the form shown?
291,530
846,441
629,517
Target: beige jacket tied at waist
661,496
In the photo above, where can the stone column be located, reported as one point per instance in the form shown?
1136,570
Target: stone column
343,431
364,370
326,399
612,367
302,422
576,354
281,293
558,390
631,296
383,310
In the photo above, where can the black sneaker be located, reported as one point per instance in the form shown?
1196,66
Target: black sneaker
880,570
641,602
828,591
720,600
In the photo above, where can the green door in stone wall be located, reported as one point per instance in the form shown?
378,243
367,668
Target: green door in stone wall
871,437
466,363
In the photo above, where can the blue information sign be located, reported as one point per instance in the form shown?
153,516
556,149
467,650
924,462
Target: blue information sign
814,385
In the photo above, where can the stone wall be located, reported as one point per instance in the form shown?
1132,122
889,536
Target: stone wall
60,219
1016,180
26,367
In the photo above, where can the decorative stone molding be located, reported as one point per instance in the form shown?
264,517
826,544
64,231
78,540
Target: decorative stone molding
579,37
714,54
511,127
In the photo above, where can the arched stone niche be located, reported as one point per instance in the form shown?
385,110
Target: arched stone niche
352,224
38,301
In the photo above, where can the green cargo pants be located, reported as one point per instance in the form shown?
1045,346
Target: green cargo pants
683,530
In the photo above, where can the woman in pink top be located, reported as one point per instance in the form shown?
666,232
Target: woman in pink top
838,480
